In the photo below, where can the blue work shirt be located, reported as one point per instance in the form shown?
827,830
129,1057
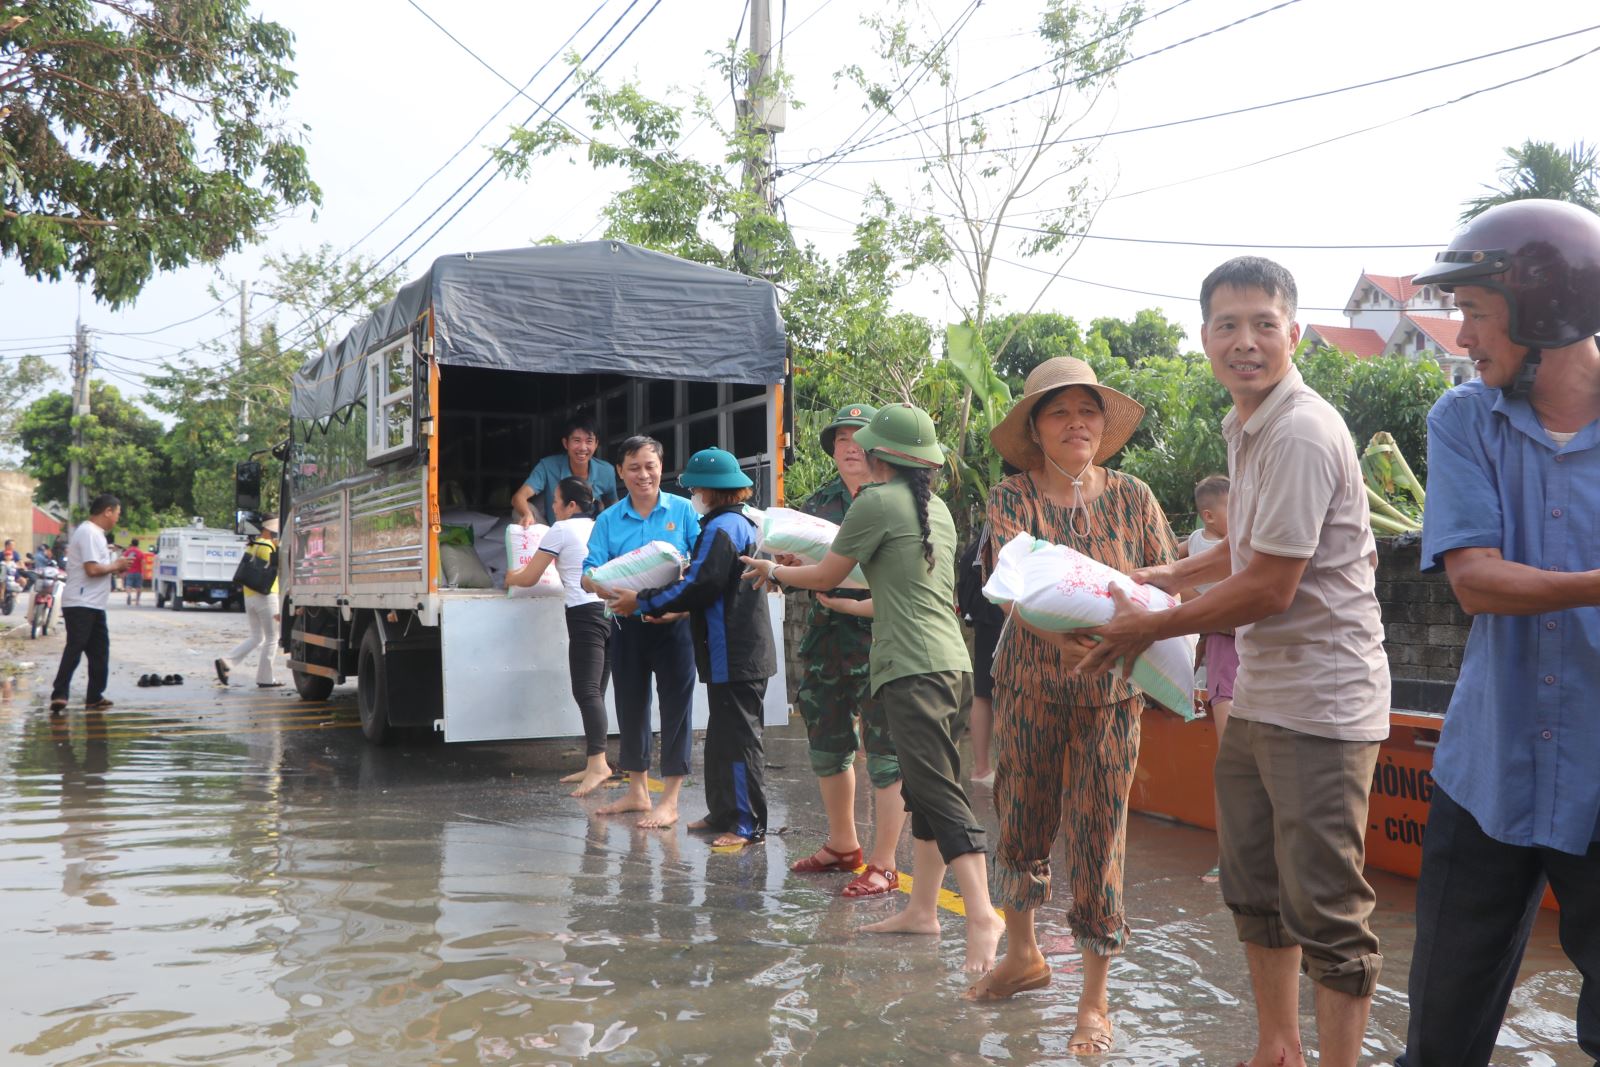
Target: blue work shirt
620,529
549,471
1521,743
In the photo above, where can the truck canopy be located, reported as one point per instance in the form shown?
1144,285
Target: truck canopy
597,307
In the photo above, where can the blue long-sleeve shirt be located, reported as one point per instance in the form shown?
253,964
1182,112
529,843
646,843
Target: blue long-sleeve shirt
1521,743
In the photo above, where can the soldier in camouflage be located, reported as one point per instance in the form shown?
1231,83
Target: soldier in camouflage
836,698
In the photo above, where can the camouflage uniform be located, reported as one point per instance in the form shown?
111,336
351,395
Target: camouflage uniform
835,689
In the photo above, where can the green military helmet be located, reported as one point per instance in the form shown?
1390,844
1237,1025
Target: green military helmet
713,468
854,415
902,435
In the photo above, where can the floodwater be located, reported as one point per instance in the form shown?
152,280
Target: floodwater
237,878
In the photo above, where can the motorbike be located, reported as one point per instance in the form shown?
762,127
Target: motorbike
48,587
8,599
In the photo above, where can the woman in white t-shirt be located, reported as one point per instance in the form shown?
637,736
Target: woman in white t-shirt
588,626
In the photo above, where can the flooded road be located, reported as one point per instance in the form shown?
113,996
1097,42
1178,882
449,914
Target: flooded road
231,876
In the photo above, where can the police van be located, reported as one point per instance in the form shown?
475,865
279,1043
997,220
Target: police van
195,565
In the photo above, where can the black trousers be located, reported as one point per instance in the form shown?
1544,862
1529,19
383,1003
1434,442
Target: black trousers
1476,902
87,635
736,791
666,651
926,713
589,664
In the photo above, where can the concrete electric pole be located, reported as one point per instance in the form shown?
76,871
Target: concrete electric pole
763,109
76,491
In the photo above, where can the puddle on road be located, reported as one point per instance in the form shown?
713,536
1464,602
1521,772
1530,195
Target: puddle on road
219,883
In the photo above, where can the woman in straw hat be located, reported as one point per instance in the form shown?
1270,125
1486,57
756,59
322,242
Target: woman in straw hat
905,541
1065,426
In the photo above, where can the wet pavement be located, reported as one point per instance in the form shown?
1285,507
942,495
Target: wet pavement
232,876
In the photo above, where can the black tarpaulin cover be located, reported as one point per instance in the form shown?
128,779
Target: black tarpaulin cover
599,307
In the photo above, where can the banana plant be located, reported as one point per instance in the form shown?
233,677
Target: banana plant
1388,475
967,355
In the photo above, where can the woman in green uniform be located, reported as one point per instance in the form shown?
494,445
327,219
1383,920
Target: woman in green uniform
904,540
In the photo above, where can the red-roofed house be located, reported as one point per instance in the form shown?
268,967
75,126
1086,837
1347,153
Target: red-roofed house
1389,315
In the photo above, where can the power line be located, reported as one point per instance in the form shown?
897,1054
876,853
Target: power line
1080,79
219,305
1225,114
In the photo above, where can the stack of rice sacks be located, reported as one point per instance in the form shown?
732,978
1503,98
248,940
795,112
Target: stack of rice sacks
1054,588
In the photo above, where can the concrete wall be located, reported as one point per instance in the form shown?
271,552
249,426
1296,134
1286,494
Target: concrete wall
16,508
1424,628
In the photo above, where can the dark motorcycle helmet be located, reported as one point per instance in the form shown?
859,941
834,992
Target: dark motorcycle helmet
1543,256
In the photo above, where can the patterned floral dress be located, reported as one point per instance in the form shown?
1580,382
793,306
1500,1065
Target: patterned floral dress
1054,730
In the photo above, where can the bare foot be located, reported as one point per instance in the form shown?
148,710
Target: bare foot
983,937
632,801
588,781
905,922
700,826
662,817
730,841
575,776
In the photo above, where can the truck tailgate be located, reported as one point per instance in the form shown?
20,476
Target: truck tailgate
505,671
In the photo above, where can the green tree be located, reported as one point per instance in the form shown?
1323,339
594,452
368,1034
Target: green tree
141,135
1148,335
1541,171
19,381
121,451
1030,339
230,405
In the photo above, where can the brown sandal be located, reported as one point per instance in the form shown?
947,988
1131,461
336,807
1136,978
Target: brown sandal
842,861
862,885
1092,1040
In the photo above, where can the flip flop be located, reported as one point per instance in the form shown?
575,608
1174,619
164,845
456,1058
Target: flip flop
990,988
842,861
862,885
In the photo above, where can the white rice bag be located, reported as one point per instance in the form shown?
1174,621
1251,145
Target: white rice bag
806,536
521,543
1054,588
649,566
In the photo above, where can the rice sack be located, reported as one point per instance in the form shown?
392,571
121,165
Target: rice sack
806,536
649,566
521,543
1055,588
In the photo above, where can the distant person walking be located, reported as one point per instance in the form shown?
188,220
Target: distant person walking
133,582
83,606
261,609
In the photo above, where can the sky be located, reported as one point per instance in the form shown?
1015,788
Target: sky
387,99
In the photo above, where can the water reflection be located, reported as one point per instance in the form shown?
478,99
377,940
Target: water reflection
302,897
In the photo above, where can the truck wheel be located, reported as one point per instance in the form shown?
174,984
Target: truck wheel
372,688
313,687
176,599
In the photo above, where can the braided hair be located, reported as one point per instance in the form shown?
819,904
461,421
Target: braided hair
921,481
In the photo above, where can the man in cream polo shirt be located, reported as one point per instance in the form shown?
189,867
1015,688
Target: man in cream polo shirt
1311,703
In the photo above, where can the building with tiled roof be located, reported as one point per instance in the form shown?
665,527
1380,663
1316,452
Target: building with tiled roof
1389,315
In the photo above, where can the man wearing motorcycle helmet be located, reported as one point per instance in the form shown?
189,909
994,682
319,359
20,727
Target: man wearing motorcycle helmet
1513,509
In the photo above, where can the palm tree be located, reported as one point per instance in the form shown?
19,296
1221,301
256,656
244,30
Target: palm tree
1541,171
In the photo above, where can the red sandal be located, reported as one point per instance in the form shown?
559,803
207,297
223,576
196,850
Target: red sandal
842,861
863,887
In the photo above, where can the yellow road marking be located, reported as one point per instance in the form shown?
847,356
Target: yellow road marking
949,900
651,784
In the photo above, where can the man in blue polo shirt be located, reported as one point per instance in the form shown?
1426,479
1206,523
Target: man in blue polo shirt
1512,517
535,501
640,647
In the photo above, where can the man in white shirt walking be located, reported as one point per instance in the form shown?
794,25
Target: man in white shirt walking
83,605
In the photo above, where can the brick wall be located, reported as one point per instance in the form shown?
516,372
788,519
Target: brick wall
1425,630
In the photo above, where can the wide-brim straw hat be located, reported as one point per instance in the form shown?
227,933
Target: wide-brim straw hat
1012,438
270,526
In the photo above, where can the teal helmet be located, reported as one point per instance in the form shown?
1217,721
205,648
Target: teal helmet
713,468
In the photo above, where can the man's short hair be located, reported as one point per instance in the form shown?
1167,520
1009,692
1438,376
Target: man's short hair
1250,272
102,503
579,423
639,442
1210,490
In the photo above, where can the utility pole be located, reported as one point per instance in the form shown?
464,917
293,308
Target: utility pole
244,315
76,496
763,106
